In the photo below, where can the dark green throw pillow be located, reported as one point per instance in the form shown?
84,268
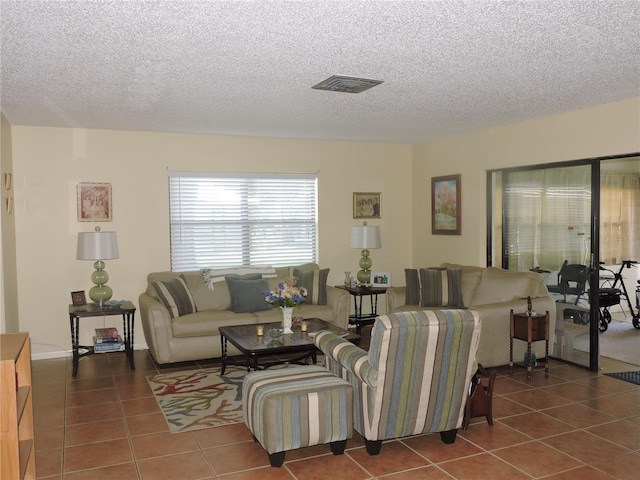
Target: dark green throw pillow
247,293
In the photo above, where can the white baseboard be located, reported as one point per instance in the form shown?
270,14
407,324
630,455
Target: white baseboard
68,353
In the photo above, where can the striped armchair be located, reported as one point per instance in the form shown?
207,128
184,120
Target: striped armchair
415,377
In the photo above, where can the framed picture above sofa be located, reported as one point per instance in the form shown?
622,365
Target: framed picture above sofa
446,205
367,205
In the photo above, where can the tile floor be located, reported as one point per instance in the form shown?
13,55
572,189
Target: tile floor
105,423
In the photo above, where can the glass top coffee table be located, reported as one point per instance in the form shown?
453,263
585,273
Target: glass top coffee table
297,347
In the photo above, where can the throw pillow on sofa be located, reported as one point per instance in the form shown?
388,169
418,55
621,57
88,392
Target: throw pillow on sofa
175,296
315,281
441,287
247,293
412,290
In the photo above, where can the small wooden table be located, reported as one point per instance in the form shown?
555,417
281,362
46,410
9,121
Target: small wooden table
529,328
359,319
126,309
254,347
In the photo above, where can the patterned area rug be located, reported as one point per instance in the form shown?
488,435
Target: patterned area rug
631,377
195,399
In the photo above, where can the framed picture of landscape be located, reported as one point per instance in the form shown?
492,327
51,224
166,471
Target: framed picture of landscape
445,205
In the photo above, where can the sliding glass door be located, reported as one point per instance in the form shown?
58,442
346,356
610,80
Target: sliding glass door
619,249
567,222
546,220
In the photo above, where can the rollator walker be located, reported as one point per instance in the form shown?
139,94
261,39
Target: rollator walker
612,295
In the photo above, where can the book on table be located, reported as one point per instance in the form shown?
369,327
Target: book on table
107,335
100,346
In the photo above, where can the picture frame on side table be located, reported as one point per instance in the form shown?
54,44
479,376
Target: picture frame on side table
78,298
446,197
367,205
94,202
381,279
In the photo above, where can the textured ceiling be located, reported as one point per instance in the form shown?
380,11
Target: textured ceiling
247,68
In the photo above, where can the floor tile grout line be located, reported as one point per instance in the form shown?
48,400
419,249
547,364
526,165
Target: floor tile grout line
492,453
588,433
126,428
602,393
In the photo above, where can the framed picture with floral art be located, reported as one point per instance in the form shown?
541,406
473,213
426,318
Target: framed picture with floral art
94,202
445,205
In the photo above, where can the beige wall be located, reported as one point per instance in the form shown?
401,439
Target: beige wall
605,130
49,163
8,275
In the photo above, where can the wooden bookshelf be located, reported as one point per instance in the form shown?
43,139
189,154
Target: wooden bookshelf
18,459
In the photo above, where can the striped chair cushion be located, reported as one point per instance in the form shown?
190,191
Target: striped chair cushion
297,407
425,361
441,287
175,296
315,281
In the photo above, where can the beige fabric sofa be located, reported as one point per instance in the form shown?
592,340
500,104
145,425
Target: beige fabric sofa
493,292
195,336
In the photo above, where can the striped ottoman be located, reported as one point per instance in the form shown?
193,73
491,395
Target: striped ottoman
297,407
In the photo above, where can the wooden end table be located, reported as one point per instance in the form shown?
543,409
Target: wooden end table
126,309
360,319
529,328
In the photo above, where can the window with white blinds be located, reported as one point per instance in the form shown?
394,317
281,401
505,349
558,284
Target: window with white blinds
547,217
225,220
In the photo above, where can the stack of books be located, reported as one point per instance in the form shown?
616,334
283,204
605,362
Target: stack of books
107,340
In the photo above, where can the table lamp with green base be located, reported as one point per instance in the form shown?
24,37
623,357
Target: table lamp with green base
98,246
365,237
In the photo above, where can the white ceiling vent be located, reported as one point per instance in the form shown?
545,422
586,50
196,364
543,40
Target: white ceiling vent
340,83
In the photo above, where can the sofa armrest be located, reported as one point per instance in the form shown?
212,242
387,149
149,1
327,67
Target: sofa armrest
351,357
338,299
156,324
395,297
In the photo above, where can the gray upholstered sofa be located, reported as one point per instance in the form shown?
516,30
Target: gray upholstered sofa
493,292
174,337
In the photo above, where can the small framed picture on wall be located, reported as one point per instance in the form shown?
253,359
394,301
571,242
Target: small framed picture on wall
94,202
367,205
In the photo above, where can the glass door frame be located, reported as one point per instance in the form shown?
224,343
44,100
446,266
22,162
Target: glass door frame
594,257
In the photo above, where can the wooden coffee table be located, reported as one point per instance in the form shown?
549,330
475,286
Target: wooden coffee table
298,347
